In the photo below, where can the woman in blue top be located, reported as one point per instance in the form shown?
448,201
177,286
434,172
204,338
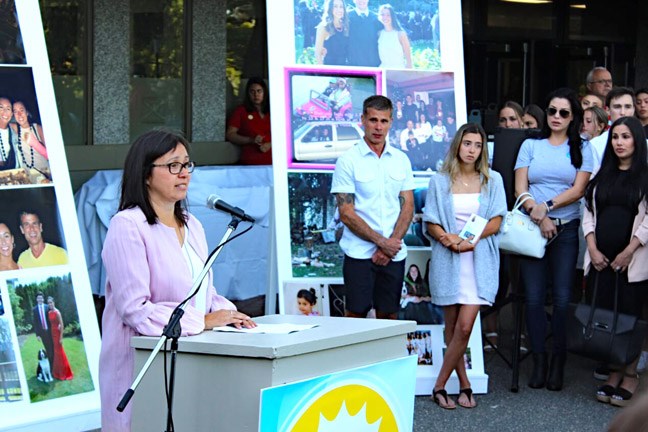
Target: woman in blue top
554,168
461,272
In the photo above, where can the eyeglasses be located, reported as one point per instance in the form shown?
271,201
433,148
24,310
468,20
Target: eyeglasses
551,111
602,81
177,167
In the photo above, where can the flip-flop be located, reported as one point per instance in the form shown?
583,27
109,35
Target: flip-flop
444,395
468,392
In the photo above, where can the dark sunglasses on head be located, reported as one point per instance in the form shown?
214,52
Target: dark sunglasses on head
551,111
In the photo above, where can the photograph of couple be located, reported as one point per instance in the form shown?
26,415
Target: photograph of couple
49,336
368,34
30,229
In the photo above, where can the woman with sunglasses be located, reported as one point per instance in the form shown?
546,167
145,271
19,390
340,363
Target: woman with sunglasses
554,168
153,251
615,225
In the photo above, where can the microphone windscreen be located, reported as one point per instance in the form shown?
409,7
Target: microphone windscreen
211,201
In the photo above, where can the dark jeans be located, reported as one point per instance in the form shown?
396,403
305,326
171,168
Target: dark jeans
558,268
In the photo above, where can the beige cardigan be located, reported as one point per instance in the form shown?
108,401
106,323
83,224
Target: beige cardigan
638,268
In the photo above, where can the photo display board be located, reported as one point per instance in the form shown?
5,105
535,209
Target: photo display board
324,61
49,337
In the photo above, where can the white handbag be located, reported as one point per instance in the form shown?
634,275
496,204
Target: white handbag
519,235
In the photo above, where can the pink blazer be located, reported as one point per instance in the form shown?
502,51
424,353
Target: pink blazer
638,268
147,276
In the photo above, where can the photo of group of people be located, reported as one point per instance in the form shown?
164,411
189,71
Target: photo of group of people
419,343
10,389
49,336
24,159
325,111
424,120
401,34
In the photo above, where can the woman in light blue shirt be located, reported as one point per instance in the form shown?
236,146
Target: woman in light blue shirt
554,168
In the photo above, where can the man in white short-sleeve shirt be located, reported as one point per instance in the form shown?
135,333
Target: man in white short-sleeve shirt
373,185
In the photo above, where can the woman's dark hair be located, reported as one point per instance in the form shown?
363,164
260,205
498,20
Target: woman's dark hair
573,131
636,182
247,102
137,170
308,295
536,112
419,278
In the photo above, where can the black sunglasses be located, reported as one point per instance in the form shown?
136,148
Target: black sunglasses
551,111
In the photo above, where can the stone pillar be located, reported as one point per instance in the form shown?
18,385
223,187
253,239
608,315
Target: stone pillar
209,80
111,72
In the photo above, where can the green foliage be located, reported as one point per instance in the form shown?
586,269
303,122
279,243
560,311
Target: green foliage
329,253
17,310
23,300
72,329
75,352
423,57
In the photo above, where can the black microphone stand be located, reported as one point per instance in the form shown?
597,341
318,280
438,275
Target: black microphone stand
173,331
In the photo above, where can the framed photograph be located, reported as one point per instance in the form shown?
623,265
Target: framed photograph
403,34
24,157
300,298
315,226
424,116
324,107
416,303
52,348
30,216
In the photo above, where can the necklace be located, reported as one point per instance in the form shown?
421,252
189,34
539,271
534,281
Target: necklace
22,154
2,150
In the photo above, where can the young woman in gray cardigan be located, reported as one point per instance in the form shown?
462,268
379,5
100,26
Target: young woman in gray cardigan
463,275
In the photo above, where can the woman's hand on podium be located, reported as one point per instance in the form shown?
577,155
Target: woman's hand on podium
225,317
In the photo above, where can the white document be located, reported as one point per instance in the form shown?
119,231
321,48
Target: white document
283,328
473,228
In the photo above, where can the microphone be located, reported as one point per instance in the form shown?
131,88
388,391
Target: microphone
215,202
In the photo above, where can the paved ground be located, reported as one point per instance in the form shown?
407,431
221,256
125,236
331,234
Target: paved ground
575,408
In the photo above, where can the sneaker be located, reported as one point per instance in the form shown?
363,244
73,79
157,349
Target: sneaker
602,372
643,362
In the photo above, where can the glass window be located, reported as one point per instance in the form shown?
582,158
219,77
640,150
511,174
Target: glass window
345,133
65,36
157,96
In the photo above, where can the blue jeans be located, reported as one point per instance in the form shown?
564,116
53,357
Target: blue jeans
558,268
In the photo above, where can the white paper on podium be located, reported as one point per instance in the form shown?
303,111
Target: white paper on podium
283,328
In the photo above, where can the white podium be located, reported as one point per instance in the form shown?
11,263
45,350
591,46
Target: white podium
219,375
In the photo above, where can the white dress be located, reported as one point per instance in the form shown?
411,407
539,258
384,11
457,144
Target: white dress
464,206
390,50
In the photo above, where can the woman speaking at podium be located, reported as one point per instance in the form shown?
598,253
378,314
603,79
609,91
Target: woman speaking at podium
153,250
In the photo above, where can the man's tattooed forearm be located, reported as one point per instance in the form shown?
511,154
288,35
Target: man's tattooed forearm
344,198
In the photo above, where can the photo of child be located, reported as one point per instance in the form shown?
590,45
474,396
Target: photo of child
306,300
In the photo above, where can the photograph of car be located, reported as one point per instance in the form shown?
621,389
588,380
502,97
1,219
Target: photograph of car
325,107
324,114
325,141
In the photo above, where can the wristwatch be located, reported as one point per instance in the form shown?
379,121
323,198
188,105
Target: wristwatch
549,204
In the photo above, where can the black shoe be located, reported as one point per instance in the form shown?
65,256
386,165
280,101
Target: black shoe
556,372
539,374
602,372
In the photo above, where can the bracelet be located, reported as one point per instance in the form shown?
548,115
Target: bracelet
547,206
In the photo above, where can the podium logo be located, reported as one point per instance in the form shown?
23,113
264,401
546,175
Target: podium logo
350,407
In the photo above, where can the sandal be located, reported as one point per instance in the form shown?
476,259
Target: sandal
604,393
621,396
444,395
490,341
469,395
